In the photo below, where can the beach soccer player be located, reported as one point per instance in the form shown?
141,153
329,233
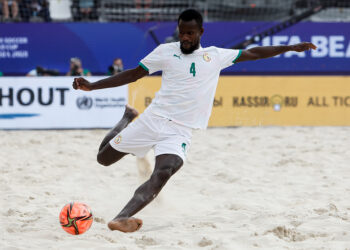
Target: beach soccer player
184,102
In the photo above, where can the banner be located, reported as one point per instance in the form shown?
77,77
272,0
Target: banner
332,55
52,103
266,100
23,46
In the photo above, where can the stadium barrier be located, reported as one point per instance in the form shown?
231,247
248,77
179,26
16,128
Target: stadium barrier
268,100
51,103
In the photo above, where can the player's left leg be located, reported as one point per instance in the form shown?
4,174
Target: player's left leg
129,115
107,155
166,166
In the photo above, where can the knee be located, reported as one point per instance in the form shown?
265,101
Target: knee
161,175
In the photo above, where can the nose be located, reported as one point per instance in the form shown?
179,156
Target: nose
185,38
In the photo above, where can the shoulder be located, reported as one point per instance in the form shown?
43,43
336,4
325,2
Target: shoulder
211,48
223,51
213,51
169,46
172,45
165,46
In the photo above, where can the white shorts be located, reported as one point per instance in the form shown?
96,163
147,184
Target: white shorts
153,131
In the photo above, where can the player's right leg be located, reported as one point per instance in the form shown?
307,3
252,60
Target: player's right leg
166,165
107,155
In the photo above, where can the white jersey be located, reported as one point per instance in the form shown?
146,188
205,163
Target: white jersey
189,81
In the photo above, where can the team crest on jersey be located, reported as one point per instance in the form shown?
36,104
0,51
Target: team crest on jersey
118,139
206,57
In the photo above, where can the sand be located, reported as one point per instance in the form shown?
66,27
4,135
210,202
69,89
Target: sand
241,188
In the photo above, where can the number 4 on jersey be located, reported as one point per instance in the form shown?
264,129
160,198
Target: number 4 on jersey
193,69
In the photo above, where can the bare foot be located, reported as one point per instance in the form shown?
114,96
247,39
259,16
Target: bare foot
131,112
126,225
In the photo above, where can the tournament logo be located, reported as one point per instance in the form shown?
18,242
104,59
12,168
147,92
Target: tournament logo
206,57
118,139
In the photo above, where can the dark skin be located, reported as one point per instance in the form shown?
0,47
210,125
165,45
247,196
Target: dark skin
168,164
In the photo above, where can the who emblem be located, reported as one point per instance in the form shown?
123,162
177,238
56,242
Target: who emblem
84,102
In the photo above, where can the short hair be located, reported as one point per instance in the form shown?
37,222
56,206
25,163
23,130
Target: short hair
189,15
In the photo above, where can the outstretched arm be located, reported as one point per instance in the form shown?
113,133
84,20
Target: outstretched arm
270,51
120,79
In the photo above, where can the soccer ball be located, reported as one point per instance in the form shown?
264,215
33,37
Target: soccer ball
76,218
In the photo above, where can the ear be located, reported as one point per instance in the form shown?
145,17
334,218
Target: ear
201,31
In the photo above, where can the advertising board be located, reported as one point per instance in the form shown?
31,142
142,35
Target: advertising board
268,100
52,103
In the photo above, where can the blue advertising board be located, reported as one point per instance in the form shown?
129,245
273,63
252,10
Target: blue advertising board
51,45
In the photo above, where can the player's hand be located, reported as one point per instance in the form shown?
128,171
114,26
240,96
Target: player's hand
300,47
81,83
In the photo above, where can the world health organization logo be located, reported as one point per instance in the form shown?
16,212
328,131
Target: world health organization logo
84,102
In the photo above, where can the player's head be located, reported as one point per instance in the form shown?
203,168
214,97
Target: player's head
190,23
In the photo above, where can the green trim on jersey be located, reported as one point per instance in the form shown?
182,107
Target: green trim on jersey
239,54
143,66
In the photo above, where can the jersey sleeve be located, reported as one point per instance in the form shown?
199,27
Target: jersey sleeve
153,62
228,56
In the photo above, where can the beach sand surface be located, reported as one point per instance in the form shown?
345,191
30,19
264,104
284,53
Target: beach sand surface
241,188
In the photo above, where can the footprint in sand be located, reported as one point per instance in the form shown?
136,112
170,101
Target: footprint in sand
99,220
291,234
287,234
204,242
11,212
145,241
109,239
